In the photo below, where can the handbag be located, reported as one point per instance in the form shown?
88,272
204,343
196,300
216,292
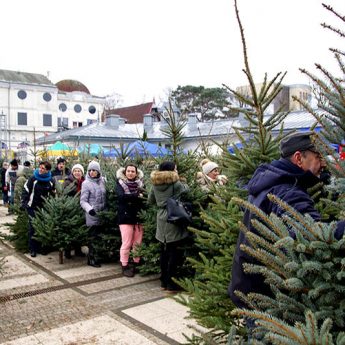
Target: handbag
179,213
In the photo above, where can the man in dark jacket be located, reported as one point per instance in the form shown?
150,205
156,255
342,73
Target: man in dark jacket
61,171
288,178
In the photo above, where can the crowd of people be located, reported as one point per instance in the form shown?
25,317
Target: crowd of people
29,187
299,168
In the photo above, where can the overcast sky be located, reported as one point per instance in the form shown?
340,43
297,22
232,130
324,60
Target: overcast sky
141,48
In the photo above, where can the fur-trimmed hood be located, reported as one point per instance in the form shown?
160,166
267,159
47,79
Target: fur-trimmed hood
120,174
164,177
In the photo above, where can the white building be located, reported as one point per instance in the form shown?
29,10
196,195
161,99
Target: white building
31,106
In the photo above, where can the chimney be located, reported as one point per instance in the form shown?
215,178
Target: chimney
112,121
192,119
148,122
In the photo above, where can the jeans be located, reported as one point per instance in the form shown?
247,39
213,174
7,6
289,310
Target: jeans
5,198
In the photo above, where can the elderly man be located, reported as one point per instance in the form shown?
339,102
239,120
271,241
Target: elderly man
288,178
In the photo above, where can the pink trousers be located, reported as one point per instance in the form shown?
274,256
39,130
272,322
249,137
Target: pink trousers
132,236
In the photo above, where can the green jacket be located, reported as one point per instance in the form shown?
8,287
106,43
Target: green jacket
164,185
23,175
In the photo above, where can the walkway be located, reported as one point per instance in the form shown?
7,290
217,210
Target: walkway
44,302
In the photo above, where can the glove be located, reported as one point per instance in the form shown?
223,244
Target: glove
92,213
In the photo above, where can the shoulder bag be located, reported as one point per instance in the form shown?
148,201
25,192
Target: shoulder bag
179,213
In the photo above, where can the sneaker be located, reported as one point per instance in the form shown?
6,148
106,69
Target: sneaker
128,271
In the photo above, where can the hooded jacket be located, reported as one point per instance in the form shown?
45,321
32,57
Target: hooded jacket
93,194
129,205
289,183
165,185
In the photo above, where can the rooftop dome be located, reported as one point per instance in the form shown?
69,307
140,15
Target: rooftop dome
69,85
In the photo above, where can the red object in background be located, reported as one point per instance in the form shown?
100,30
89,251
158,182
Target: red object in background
342,152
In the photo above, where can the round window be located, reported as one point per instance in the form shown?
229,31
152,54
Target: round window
92,109
21,94
47,96
77,108
63,107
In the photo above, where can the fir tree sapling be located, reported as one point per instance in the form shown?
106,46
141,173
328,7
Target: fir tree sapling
305,273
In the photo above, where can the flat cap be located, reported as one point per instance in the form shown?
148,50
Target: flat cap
299,141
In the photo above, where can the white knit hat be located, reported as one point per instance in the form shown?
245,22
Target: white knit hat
208,167
78,166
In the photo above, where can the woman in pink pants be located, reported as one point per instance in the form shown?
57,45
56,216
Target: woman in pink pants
129,191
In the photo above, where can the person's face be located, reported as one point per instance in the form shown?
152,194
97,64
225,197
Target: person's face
312,161
93,173
213,174
131,173
61,166
5,165
14,167
77,173
42,169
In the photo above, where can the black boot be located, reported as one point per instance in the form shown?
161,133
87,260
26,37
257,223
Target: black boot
68,254
128,271
91,261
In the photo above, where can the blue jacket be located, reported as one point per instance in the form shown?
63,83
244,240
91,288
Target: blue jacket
289,183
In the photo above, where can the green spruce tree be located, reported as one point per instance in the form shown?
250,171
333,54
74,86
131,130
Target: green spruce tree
207,292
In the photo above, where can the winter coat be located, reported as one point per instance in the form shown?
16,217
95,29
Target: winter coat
289,183
35,191
11,177
93,196
166,184
3,183
129,205
70,184
206,183
60,175
23,175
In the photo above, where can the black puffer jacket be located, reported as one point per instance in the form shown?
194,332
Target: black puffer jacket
129,205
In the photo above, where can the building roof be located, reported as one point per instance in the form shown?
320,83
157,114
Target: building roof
132,114
70,85
24,77
102,132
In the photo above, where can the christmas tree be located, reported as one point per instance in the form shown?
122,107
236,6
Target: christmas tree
60,223
305,273
207,296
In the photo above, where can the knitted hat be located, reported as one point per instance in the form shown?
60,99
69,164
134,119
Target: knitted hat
78,166
93,165
14,162
300,141
60,160
208,167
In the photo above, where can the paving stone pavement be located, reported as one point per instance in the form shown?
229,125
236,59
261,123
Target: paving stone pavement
44,302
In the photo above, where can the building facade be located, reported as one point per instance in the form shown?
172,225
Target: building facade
31,106
284,101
